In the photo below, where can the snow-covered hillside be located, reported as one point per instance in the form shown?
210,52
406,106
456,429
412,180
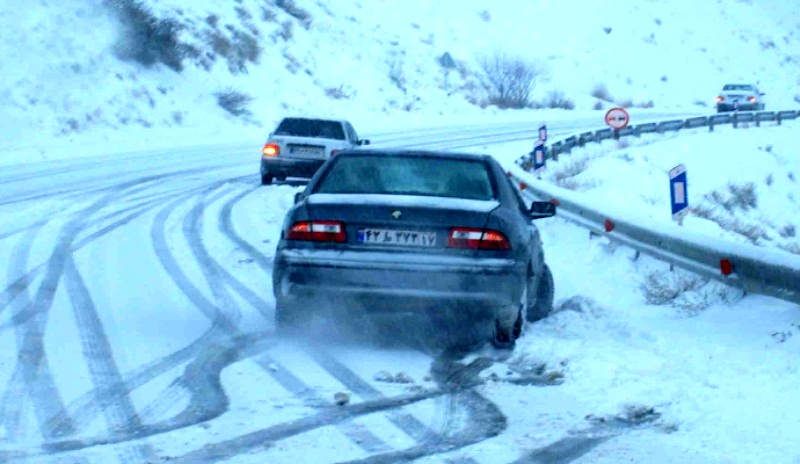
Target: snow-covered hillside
75,70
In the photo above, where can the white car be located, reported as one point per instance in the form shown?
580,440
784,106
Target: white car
735,97
299,146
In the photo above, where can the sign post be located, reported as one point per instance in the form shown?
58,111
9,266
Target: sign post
678,192
538,155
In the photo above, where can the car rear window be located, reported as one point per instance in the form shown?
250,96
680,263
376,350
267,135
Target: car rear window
409,175
738,87
311,128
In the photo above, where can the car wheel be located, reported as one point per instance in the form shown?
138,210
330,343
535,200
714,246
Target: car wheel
266,179
506,337
544,297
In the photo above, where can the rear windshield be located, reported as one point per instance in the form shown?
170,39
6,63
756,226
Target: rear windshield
409,175
311,128
738,87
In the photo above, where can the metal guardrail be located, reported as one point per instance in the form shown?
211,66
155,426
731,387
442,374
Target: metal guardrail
755,269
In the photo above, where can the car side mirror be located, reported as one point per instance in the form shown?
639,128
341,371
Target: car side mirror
363,142
542,209
298,197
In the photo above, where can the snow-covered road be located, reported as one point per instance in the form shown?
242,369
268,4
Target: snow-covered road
138,321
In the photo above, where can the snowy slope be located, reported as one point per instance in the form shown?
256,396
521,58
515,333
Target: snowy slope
66,89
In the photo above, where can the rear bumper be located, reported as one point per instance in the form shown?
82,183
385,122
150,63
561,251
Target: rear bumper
386,282
742,106
290,167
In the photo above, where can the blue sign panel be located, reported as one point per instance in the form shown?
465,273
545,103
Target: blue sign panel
678,192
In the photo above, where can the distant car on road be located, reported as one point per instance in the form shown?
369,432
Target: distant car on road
299,146
745,97
442,235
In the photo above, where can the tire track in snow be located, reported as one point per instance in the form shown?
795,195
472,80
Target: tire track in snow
36,380
120,414
227,228
32,373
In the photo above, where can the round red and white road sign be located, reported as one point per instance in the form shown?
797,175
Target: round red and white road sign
617,118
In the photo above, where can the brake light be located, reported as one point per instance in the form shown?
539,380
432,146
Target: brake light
751,99
720,99
481,239
317,231
270,149
333,152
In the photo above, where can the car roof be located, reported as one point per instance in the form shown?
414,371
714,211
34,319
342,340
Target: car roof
311,118
414,153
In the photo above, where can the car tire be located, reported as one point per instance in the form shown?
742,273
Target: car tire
544,297
266,179
506,337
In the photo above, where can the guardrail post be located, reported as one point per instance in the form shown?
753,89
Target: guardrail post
616,134
735,119
778,118
711,124
758,120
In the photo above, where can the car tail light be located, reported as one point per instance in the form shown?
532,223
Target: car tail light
751,99
317,231
481,239
720,99
333,152
270,149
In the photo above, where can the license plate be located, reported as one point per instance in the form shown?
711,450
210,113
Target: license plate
307,151
397,237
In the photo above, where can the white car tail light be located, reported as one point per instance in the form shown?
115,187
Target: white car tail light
317,231
481,239
270,149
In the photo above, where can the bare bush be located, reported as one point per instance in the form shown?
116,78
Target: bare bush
337,93
686,291
788,231
147,39
287,30
485,16
396,73
510,80
752,232
598,105
564,177
627,103
556,99
291,8
234,102
600,91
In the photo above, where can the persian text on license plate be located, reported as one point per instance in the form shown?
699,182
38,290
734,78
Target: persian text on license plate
397,237
307,151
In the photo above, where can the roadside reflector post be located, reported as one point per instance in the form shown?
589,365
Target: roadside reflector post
678,193
609,225
725,267
522,185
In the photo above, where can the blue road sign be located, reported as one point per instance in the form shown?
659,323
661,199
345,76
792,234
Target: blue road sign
538,157
678,192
